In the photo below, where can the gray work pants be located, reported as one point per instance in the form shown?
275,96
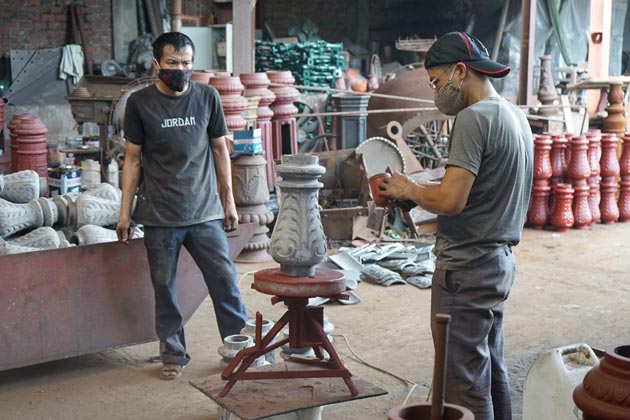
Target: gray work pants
476,374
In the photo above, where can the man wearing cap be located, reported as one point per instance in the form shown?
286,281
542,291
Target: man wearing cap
481,204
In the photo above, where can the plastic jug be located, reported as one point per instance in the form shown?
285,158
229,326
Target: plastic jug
550,381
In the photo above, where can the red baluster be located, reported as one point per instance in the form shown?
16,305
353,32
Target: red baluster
558,165
594,153
562,214
609,171
284,126
579,172
257,85
624,171
538,214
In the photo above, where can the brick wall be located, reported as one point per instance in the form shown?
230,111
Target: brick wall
35,24
45,24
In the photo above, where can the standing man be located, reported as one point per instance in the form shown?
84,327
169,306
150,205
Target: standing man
177,155
481,205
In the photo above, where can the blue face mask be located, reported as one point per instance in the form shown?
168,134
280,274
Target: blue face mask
175,79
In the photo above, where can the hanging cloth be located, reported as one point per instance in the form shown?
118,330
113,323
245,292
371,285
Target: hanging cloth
71,63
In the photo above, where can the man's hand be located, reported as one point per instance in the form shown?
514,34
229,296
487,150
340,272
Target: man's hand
230,222
124,231
398,186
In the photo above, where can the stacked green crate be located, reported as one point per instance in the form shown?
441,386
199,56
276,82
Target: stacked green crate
313,63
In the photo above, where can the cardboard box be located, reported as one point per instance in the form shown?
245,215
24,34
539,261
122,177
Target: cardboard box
64,179
248,142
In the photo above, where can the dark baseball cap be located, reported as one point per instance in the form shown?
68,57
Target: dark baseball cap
455,47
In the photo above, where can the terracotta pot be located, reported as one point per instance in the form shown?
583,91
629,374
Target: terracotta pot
13,125
202,77
605,391
423,412
374,180
234,104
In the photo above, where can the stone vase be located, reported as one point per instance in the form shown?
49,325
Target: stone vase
298,242
562,214
609,171
546,93
20,187
251,193
605,391
579,172
623,203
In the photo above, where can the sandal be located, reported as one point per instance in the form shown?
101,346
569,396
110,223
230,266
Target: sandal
171,371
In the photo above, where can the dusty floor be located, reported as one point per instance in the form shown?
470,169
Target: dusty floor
572,287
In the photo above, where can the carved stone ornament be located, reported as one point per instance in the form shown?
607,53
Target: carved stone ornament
92,234
298,242
96,211
20,187
105,191
249,181
7,248
43,238
17,217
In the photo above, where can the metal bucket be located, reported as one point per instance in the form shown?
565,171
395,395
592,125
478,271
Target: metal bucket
549,385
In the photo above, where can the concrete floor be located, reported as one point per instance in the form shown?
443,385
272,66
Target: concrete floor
572,287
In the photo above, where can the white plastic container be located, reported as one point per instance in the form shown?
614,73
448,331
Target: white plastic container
550,381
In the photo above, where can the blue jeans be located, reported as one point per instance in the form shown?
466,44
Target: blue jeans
476,374
208,246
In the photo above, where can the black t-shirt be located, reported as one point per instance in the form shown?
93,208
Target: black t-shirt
179,186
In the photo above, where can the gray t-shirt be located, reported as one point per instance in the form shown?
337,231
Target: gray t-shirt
179,185
493,140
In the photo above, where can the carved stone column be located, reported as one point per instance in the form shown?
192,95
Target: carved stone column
17,217
42,237
283,123
547,94
298,242
257,85
95,211
251,194
20,187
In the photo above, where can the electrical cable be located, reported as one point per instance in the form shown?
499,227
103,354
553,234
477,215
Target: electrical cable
400,378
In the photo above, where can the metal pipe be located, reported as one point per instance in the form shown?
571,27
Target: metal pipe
176,15
500,29
528,37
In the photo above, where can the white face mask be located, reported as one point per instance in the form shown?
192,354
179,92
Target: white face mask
449,99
